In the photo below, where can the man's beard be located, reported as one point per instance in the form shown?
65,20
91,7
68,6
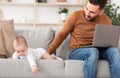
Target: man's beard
91,18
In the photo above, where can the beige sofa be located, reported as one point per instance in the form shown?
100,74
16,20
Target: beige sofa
42,37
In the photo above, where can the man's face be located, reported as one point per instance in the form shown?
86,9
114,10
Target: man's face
92,11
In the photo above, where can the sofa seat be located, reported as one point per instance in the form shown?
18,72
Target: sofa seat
48,69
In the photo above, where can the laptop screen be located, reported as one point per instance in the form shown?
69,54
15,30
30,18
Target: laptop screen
106,36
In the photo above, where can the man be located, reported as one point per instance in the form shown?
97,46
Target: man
81,26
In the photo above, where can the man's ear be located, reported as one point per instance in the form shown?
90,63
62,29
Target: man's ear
102,11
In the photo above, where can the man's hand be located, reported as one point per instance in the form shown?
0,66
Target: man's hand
34,69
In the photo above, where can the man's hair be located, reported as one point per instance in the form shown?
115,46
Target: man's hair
100,3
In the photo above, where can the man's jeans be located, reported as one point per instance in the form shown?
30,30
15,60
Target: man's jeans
91,55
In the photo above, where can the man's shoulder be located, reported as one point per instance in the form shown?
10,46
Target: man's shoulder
104,15
106,18
79,12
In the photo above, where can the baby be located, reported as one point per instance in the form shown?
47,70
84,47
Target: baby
23,51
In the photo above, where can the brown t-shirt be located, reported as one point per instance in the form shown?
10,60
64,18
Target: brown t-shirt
80,29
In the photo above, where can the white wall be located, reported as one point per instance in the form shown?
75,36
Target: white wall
117,2
43,14
23,13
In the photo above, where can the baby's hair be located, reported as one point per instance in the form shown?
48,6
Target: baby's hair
20,38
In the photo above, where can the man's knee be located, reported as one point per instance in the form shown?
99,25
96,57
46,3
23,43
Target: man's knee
113,51
94,53
113,54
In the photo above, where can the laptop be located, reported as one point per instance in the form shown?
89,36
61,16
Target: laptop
106,36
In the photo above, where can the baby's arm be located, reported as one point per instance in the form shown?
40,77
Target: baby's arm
32,62
34,69
15,55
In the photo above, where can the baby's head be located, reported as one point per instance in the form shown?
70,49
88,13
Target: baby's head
20,45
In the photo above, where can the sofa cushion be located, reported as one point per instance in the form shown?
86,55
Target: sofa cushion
103,69
63,50
74,69
21,69
37,37
6,37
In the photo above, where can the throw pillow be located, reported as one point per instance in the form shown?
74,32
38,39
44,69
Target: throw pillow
50,34
63,50
7,35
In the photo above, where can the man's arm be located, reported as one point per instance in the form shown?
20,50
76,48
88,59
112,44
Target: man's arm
59,38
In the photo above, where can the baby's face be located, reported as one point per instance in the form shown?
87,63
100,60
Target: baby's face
21,50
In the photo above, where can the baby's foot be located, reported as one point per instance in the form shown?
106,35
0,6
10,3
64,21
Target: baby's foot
58,58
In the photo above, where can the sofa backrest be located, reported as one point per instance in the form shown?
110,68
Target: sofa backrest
37,37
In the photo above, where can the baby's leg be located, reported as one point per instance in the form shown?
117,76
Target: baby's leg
58,58
46,55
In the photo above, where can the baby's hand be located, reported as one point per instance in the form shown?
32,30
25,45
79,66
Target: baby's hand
34,69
